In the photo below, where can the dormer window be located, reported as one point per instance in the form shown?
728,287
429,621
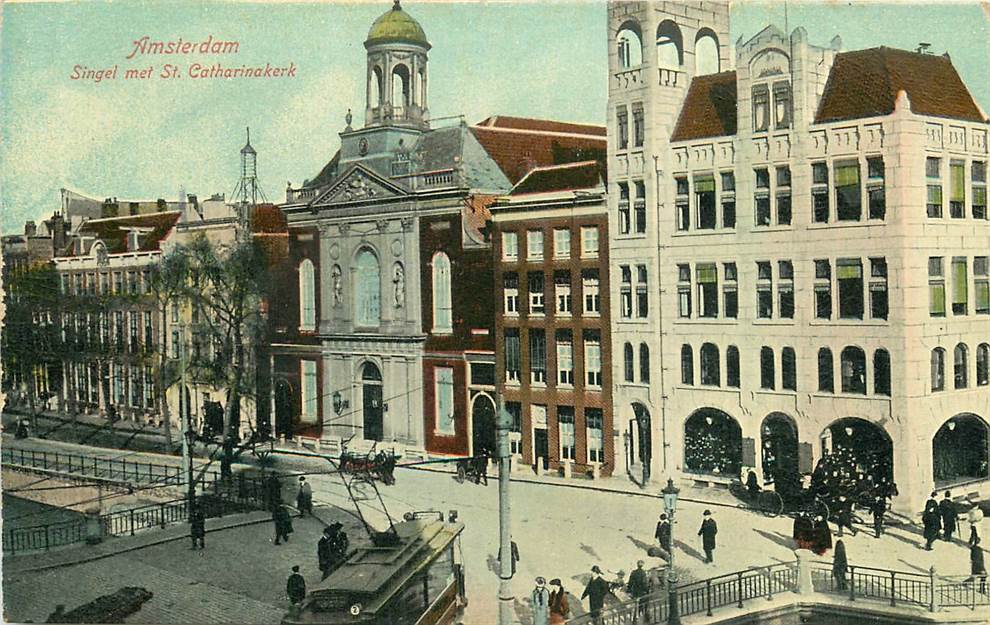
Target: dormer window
761,108
133,241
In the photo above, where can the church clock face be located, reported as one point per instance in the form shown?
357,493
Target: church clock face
363,146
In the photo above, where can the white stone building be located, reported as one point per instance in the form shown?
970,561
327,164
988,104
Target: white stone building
812,237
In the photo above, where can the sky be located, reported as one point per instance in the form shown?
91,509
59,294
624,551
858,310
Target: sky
151,138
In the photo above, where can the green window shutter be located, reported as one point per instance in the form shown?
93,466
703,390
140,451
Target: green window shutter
957,182
935,194
704,183
936,296
845,271
960,282
847,175
707,274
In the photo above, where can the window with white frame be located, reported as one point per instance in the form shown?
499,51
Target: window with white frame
510,293
761,197
682,204
783,195
819,193
705,205
534,245
936,286
642,293
594,424
589,241
537,357
640,206
684,291
707,278
593,359
307,296
879,304
367,300
310,392
981,283
823,289
565,358
514,409
730,290
849,279
443,317
728,199
510,246
590,288
562,292
957,189
624,214
876,194
978,172
785,289
513,357
537,304
933,176
444,380
565,421
960,286
764,290
625,292
848,191
562,243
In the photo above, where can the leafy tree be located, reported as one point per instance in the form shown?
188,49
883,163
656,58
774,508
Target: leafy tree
227,285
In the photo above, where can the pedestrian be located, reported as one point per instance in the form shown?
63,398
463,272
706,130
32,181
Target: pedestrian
338,544
752,484
804,531
822,535
515,555
947,508
273,491
304,499
197,527
879,509
639,586
283,524
843,517
323,554
975,517
977,567
839,565
559,610
539,601
595,591
663,533
295,587
932,522
707,532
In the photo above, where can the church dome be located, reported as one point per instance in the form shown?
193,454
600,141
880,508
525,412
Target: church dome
396,26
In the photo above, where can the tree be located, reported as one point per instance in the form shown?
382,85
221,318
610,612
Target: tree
228,285
167,282
31,338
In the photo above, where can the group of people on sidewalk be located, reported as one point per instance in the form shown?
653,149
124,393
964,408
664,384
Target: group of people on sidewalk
940,519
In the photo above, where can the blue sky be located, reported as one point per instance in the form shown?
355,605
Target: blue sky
148,139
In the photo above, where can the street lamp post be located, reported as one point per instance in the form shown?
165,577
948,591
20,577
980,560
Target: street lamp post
669,493
506,601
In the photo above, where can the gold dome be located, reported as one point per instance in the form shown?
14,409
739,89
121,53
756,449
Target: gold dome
396,26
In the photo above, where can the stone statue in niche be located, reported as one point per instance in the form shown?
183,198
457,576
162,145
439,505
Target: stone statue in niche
399,283
337,285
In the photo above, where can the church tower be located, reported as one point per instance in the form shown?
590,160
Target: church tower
397,71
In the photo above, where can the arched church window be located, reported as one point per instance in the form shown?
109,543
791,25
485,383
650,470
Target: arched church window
367,290
307,296
442,308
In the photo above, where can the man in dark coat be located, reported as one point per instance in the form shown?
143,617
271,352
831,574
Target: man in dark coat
947,509
323,552
977,567
197,527
639,586
515,555
295,587
283,524
663,533
932,521
707,532
879,509
273,491
822,535
844,516
596,591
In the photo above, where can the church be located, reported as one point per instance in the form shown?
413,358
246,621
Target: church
384,327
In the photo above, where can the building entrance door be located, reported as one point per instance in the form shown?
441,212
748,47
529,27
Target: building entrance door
541,447
283,408
371,379
483,425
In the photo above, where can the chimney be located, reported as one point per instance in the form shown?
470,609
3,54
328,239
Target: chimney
30,229
58,232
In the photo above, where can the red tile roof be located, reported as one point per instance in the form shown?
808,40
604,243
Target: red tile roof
709,108
571,176
518,150
113,231
865,83
540,125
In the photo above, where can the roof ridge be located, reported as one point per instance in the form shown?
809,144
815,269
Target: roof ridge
103,219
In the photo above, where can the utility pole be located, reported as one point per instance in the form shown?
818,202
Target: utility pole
506,611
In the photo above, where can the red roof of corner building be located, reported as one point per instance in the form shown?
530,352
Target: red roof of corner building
518,144
865,83
113,231
709,108
568,177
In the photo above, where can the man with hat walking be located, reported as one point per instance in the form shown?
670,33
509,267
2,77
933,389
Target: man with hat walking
304,500
595,591
707,532
295,588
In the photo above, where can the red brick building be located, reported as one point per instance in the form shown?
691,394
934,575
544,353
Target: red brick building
550,253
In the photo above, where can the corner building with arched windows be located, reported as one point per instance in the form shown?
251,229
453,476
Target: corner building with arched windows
810,226
382,329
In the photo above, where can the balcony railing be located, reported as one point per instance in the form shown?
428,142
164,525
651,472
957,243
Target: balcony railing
671,77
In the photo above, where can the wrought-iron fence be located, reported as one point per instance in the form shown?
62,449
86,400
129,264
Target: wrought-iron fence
110,469
44,537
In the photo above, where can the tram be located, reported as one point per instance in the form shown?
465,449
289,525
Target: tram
416,578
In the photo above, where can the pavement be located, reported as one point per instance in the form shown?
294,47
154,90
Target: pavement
561,532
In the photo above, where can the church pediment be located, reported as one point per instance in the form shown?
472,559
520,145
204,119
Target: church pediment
358,184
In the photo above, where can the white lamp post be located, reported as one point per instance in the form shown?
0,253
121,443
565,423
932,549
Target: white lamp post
670,493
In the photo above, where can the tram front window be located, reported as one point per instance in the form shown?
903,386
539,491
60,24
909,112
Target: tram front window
433,589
